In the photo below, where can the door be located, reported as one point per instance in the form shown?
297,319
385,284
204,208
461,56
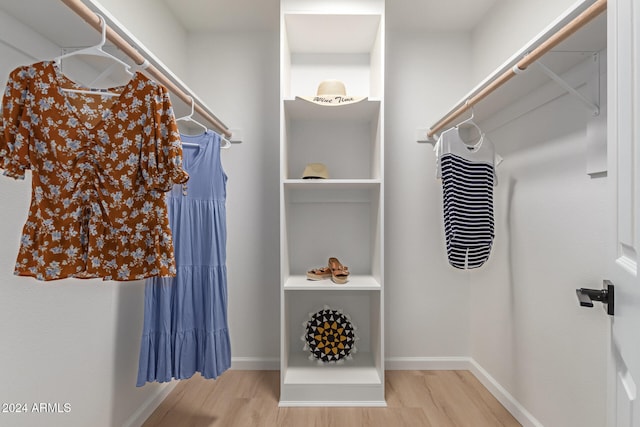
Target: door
623,24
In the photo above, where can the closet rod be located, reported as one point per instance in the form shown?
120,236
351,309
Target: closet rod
563,33
184,94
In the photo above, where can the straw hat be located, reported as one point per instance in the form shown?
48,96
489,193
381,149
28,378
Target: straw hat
315,170
331,93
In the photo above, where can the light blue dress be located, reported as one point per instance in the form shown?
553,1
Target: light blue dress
185,317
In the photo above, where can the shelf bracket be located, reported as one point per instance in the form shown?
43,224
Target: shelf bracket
595,109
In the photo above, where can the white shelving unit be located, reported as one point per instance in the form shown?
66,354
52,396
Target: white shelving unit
339,217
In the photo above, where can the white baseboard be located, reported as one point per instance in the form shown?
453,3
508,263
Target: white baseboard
255,363
518,411
145,410
427,363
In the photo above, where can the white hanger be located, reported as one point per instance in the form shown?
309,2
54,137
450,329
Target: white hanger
96,50
189,118
472,123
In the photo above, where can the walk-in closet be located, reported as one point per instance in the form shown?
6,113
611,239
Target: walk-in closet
330,213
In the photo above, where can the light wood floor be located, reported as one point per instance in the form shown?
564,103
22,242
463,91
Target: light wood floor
250,398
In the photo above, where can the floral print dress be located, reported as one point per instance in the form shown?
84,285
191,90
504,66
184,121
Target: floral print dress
100,166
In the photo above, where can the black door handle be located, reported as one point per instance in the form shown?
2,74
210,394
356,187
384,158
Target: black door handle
605,296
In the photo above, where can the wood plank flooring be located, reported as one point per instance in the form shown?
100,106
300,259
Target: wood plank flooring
250,398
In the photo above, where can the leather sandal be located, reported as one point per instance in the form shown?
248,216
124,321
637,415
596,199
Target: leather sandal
339,273
320,273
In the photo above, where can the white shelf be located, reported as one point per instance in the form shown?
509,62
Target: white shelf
364,111
315,184
342,216
360,370
356,282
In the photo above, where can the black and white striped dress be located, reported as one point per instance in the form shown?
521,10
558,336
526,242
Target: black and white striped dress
468,177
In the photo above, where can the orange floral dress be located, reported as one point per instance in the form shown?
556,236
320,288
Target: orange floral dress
100,166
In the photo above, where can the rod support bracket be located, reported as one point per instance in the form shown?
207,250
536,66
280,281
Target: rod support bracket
422,136
595,108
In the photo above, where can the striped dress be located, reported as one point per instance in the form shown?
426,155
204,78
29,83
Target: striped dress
468,177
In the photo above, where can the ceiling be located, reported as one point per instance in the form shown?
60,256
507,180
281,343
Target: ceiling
261,15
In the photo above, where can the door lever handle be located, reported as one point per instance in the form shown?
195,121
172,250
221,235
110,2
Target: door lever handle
587,296
605,296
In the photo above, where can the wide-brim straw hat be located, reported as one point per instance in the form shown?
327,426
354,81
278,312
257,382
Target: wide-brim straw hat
332,93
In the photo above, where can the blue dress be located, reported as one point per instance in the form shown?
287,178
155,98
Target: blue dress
185,317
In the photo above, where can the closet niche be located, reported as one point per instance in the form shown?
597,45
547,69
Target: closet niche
341,216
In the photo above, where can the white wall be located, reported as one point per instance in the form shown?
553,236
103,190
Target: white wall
508,26
237,74
427,301
527,329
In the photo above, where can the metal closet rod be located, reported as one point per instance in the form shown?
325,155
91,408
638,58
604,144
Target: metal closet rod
92,19
563,33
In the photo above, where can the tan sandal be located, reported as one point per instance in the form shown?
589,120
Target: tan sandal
339,273
319,273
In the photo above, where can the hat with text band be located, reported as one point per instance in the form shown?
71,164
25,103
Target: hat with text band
332,93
